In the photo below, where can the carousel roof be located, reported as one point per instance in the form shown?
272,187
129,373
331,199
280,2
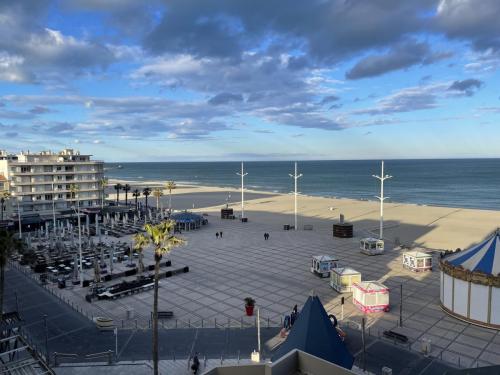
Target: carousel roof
484,257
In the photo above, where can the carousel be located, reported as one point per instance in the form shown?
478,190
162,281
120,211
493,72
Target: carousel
470,283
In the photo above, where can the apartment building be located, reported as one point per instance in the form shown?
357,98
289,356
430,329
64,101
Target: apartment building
41,182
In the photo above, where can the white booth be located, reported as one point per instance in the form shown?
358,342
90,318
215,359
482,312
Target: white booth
417,261
371,246
470,283
322,264
342,278
370,296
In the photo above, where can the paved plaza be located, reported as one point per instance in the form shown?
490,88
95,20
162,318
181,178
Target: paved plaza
276,274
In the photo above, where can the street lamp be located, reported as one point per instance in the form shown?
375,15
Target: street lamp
74,190
19,218
53,208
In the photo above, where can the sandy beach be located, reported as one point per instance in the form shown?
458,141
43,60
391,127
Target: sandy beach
413,225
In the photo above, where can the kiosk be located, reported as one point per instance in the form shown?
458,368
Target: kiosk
322,264
342,279
370,296
371,246
417,261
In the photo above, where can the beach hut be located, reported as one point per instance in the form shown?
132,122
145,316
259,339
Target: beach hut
371,246
322,264
470,283
417,261
370,296
342,278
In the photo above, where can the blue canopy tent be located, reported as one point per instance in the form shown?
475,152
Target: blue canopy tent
314,333
188,220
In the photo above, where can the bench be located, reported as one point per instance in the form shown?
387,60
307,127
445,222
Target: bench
163,314
396,336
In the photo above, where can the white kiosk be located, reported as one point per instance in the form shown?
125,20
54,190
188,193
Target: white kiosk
417,261
342,278
370,296
322,264
371,246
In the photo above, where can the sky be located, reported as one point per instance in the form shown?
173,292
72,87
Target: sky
186,80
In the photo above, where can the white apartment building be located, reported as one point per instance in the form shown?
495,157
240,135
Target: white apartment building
39,182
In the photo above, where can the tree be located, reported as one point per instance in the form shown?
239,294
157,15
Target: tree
118,187
157,193
4,196
126,188
146,192
136,194
8,244
104,183
163,241
170,186
140,242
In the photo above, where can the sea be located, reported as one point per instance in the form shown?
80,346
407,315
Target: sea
461,183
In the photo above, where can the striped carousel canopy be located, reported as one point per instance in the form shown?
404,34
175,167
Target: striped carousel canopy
484,257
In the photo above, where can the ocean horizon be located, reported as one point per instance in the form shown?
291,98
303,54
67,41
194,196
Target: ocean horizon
461,183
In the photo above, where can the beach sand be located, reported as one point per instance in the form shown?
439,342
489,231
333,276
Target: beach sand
413,225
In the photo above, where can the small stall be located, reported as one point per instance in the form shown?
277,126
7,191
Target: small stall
322,264
417,261
226,213
342,279
370,296
371,246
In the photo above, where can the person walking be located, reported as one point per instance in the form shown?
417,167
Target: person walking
217,235
220,234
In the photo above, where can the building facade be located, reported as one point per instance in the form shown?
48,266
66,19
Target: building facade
40,183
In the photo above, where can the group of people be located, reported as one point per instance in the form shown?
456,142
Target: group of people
289,320
266,236
218,235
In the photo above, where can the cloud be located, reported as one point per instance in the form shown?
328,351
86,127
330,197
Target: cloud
225,98
329,99
407,100
39,110
470,20
467,86
399,57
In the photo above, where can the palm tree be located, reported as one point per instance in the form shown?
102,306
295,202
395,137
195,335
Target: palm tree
118,187
104,183
163,241
136,194
8,243
3,197
126,189
146,192
170,186
140,242
157,193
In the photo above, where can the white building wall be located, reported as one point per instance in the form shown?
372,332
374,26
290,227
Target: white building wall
447,289
495,306
479,302
461,297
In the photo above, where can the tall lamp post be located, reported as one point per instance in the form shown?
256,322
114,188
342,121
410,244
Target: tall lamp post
54,208
242,174
295,176
381,198
19,219
74,192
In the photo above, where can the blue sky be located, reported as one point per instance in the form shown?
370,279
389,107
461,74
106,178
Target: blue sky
182,80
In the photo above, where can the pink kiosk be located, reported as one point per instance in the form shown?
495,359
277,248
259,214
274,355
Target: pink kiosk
370,296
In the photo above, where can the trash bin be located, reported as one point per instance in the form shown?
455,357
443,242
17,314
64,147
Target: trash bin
286,227
425,346
130,314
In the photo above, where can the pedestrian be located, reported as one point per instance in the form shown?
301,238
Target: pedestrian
220,234
217,235
293,316
196,364
265,236
295,309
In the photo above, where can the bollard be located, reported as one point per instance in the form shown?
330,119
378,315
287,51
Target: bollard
136,324
238,357
215,322
228,322
189,322
175,323
122,323
458,361
202,323
267,322
221,358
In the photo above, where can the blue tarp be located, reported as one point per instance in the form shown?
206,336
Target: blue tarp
313,333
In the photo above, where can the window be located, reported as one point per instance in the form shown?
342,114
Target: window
48,197
59,187
59,196
25,169
38,197
59,168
